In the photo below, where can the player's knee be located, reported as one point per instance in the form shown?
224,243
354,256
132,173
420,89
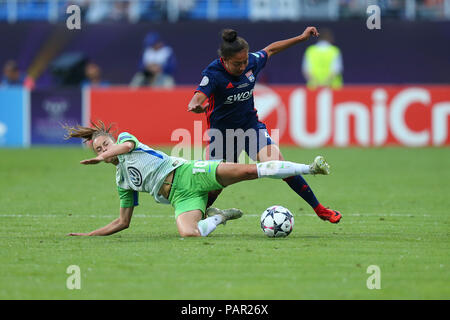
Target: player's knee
249,172
245,172
190,232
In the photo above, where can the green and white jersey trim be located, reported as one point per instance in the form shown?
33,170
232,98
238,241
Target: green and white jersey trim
144,169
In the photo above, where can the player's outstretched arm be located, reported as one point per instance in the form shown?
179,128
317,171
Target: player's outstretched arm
113,151
281,45
116,225
196,103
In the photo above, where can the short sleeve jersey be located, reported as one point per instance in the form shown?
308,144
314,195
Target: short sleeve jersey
231,104
142,170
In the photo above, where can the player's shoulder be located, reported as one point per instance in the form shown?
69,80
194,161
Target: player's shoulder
215,68
126,136
213,73
261,54
255,58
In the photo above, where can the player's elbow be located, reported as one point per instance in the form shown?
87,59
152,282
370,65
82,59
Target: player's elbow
190,234
191,105
194,101
124,224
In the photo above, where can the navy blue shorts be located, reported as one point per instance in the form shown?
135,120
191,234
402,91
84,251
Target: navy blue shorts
228,144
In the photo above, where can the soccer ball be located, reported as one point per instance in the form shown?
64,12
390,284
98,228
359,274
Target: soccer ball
277,221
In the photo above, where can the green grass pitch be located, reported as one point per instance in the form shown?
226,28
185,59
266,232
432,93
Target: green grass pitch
394,203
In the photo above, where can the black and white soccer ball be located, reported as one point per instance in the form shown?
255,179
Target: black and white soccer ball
277,221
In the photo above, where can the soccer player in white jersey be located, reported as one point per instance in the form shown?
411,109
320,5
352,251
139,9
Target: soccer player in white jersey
176,181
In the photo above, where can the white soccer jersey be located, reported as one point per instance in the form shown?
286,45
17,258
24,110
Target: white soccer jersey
144,169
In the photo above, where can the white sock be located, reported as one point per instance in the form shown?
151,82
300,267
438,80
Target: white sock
281,169
208,225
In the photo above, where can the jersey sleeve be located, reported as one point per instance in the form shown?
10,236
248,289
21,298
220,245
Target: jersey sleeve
207,85
125,136
261,57
128,198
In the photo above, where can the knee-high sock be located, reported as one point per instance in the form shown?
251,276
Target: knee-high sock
281,169
291,173
208,225
301,187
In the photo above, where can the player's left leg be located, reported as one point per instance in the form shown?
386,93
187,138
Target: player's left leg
296,183
299,184
191,224
189,196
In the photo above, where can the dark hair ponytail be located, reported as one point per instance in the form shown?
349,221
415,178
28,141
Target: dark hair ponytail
231,44
229,35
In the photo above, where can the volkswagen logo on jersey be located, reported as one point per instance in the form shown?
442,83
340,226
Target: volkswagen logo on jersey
135,176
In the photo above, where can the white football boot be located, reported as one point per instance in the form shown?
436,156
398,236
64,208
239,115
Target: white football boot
320,166
227,214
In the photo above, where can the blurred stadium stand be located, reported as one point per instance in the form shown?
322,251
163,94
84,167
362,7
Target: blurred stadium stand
175,10
109,26
405,64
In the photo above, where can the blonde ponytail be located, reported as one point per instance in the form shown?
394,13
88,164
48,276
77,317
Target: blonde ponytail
87,133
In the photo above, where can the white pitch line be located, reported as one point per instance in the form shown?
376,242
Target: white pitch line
171,215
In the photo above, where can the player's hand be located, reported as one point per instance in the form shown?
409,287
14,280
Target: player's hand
198,108
310,31
92,161
78,234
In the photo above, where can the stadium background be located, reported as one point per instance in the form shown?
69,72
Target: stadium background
406,59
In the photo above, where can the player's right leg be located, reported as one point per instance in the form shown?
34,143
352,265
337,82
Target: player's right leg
229,173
